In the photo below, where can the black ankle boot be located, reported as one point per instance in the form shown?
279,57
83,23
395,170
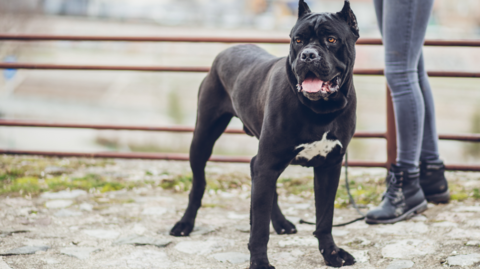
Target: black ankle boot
403,199
433,182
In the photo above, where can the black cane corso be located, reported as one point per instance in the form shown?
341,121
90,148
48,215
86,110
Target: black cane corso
302,110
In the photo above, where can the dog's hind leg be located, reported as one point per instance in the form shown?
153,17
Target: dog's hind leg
213,117
279,222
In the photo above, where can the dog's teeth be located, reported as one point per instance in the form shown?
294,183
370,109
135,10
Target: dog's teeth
299,87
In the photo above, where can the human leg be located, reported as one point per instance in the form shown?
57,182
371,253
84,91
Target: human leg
432,171
429,149
403,26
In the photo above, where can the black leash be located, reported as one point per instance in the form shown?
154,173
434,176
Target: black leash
347,186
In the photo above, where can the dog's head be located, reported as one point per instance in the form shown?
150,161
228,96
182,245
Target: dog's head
322,54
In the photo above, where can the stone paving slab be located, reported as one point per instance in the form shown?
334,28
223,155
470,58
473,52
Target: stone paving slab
129,229
142,241
81,253
24,250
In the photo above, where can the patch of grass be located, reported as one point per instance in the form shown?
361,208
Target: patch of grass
214,205
88,182
364,193
34,186
112,186
22,185
225,182
178,183
215,182
459,192
296,186
27,175
12,167
476,193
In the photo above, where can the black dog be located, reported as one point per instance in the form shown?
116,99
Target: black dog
301,108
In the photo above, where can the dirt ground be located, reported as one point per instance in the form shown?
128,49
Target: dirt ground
97,227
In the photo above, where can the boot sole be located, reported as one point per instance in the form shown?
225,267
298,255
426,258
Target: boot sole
439,198
407,215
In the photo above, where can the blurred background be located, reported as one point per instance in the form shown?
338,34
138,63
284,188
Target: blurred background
163,99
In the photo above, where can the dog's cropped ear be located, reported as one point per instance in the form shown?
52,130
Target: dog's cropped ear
349,17
303,9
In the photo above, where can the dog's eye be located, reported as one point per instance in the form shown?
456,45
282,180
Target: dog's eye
298,40
332,39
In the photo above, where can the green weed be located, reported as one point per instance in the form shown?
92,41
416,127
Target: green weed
296,186
23,185
178,183
19,175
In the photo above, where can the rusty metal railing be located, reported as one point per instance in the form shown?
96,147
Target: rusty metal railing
389,135
201,69
211,39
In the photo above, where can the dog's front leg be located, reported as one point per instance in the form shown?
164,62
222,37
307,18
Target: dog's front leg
264,178
325,185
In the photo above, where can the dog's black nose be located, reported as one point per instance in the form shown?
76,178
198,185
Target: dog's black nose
309,55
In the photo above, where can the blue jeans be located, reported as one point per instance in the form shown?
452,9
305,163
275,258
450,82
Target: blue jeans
403,24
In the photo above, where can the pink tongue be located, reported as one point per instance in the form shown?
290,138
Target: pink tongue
312,85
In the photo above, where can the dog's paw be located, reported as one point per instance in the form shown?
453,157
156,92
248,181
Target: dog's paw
284,227
337,257
254,265
181,229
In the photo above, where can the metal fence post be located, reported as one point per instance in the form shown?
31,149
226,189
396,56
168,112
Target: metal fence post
391,131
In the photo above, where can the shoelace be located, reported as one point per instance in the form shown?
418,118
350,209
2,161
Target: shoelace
392,189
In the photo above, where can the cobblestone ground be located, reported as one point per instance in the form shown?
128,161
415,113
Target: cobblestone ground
128,228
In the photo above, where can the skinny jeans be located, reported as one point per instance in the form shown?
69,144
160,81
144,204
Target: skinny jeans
403,24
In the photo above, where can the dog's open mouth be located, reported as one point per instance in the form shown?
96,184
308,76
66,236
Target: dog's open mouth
312,84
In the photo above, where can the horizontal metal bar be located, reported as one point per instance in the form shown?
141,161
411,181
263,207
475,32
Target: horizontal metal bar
202,39
104,67
179,129
125,155
157,156
453,74
462,167
184,157
210,39
188,129
461,137
430,42
374,72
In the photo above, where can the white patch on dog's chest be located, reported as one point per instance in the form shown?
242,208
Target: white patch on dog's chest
322,148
